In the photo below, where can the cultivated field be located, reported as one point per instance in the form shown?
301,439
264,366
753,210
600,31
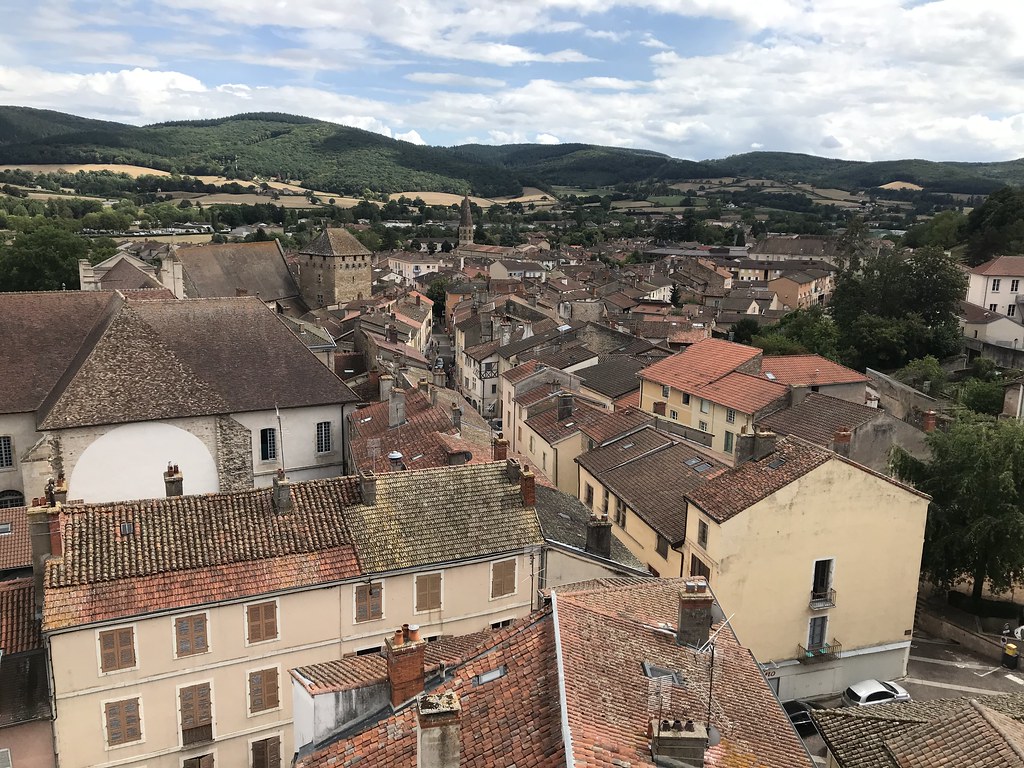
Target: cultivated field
286,201
132,170
901,185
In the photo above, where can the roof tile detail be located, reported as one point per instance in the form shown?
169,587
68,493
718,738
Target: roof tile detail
19,630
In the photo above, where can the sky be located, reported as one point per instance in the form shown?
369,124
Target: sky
696,79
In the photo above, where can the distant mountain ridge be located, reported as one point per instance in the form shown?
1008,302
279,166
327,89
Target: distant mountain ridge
348,160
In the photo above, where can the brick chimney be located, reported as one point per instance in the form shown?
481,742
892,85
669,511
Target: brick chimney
396,408
695,602
681,742
528,487
456,416
46,541
439,743
404,654
599,536
499,448
930,421
174,482
565,406
841,441
368,487
282,496
387,382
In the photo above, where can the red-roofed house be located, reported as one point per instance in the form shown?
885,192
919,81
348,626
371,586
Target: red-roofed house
996,285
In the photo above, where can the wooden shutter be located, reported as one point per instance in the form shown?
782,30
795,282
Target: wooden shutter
503,578
428,592
117,649
369,602
262,621
123,723
190,633
266,753
263,690
196,713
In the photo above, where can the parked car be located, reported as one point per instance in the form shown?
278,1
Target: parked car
495,424
439,364
799,712
868,692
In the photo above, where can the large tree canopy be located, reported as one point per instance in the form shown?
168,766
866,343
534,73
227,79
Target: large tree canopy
996,227
43,260
975,529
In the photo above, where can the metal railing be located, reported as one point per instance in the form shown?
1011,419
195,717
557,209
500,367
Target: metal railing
825,598
817,653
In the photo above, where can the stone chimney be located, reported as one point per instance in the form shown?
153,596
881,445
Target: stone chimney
499,448
678,742
46,541
439,743
528,487
599,536
368,487
506,334
404,654
392,333
456,416
282,497
695,602
174,482
439,381
423,385
930,421
396,408
841,441
565,406
754,446
387,383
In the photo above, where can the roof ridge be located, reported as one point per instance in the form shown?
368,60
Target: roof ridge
987,714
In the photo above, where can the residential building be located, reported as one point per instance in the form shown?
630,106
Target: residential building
804,374
803,289
410,266
177,649
996,285
109,389
992,335
799,541
611,379
334,269
513,269
635,672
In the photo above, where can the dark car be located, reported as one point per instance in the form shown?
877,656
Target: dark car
799,712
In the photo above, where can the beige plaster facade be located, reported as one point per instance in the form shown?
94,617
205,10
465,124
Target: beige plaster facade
721,423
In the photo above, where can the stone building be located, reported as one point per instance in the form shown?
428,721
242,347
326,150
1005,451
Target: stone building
334,269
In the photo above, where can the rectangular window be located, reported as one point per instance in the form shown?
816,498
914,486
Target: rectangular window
428,592
686,399
199,761
822,582
662,546
698,568
588,497
124,724
323,437
604,501
190,635
702,533
531,443
665,391
1014,285
117,649
261,621
728,442
266,753
620,513
6,451
369,602
703,426
674,415
494,389
263,690
991,307
503,578
995,285
730,415
1011,310
816,632
705,406
196,710
268,444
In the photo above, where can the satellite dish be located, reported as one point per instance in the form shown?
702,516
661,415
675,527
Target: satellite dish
714,736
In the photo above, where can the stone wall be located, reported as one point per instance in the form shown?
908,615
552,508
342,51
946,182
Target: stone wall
234,455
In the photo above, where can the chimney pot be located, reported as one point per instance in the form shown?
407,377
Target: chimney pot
405,666
414,633
499,448
282,493
173,481
930,421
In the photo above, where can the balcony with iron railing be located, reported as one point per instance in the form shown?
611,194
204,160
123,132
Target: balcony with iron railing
821,599
818,653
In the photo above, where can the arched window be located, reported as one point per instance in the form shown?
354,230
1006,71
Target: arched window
11,499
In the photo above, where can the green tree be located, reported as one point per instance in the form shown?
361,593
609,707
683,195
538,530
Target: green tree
436,292
975,529
43,260
982,396
924,374
996,226
675,296
744,330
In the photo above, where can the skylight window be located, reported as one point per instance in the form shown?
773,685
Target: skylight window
769,375
627,445
490,675
776,463
5,529
703,467
654,671
694,461
127,529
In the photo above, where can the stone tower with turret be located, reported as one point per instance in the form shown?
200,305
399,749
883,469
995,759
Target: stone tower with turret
465,223
334,268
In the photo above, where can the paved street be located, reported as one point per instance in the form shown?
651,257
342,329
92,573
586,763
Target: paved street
940,669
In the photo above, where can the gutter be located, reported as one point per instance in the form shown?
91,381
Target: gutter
563,707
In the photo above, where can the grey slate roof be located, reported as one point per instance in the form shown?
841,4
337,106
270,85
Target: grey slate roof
126,276
220,270
819,417
563,519
335,242
614,376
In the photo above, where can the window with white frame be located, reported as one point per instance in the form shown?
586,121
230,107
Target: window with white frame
665,391
995,284
992,307
703,426
1014,285
702,533
6,452
674,415
730,415
1011,310
268,444
323,437
705,406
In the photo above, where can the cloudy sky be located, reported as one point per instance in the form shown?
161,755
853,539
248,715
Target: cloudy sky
855,79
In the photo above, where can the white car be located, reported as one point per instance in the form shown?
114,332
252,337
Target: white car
868,692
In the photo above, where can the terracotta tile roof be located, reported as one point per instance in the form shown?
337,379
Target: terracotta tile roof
744,392
809,370
985,730
170,359
610,425
513,720
640,443
19,630
536,394
818,417
520,372
221,269
16,546
335,242
631,400
1011,266
552,429
700,364
614,376
43,332
611,700
352,672
731,492
439,515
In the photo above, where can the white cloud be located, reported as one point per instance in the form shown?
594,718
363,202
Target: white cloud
452,78
411,136
650,41
546,138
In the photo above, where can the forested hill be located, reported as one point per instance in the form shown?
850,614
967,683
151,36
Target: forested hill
341,159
